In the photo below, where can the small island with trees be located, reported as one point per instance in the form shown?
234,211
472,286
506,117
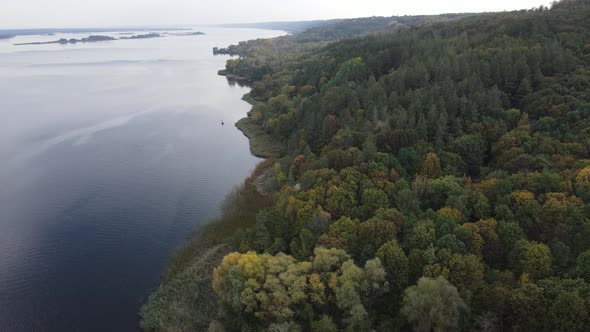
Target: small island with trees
144,36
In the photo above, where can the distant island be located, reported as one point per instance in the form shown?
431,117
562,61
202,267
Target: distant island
63,41
146,36
197,33
6,36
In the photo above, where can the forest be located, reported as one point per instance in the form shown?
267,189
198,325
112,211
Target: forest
435,177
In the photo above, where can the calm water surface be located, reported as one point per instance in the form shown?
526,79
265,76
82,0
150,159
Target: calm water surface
110,154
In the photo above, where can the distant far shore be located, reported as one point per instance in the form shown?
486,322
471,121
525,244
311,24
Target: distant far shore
99,38
30,32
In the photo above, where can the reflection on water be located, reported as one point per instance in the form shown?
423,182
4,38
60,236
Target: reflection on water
233,82
111,154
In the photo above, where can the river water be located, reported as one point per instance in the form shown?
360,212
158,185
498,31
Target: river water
111,153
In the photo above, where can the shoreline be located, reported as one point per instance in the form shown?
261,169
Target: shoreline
233,77
185,299
261,144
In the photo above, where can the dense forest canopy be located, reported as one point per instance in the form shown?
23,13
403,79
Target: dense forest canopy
436,177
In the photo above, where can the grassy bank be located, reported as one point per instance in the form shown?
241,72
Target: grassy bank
185,300
262,145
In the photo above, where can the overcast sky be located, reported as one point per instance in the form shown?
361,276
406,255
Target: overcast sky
116,13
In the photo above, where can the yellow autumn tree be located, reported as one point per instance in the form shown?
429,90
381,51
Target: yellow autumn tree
272,289
451,213
583,182
430,166
521,197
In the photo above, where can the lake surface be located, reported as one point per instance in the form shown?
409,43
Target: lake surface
111,153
